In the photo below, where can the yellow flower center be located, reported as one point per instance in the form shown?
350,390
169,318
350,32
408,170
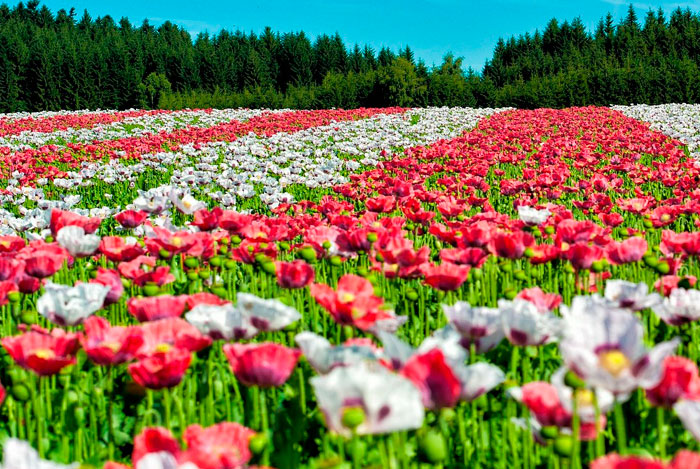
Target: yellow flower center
45,354
565,246
584,398
163,347
614,362
346,297
176,241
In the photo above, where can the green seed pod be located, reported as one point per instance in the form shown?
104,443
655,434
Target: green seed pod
433,446
336,261
536,232
204,274
648,224
379,258
151,290
49,239
573,380
224,241
506,267
217,386
529,253
71,397
20,392
191,262
308,254
356,449
79,414
327,245
192,275
448,415
236,240
164,253
215,261
219,291
564,445
520,275
372,237
92,273
126,283
362,271
550,432
550,230
568,268
258,443
412,295
230,264
477,274
510,293
461,217
223,250
663,268
29,317
651,261
268,267
440,295
597,266
353,417
14,296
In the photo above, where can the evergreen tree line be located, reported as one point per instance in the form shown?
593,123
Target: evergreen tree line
59,61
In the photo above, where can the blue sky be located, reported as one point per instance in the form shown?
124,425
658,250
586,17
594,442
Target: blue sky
431,27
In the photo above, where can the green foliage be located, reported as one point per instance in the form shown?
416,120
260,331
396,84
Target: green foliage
51,61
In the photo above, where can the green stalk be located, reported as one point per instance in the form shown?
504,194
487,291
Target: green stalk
620,431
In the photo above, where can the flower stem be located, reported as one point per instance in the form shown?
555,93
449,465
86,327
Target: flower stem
620,430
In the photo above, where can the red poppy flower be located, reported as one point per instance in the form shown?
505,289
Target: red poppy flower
164,334
614,461
295,274
233,222
248,250
381,204
106,345
224,445
154,440
111,279
446,276
680,380
156,307
474,257
265,364
629,250
117,249
433,376
207,220
582,256
42,260
10,244
510,245
161,369
131,218
43,352
611,219
204,298
543,301
61,218
354,303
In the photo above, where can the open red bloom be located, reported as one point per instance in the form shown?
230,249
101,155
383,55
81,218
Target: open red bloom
354,303
111,279
433,376
61,218
510,245
131,218
106,345
43,352
204,298
234,222
207,220
446,276
265,364
221,446
614,461
629,250
680,381
10,244
543,401
582,256
118,249
543,301
157,307
164,334
161,369
42,260
154,440
381,204
295,274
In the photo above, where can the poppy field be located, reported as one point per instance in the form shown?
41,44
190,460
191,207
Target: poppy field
369,288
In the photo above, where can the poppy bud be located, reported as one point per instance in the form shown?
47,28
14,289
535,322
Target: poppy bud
564,445
192,275
433,446
550,432
663,268
308,254
550,229
191,263
164,253
412,295
151,290
204,274
336,261
14,296
372,237
20,392
573,380
230,264
353,417
215,261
